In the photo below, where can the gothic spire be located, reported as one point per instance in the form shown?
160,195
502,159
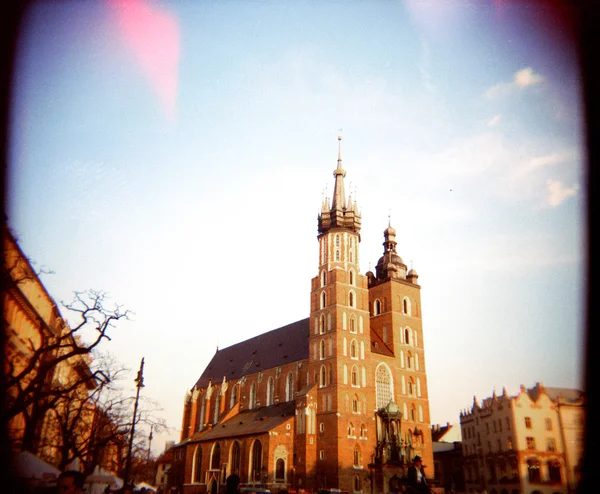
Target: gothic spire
342,214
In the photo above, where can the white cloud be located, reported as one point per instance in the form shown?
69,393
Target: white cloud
527,77
521,79
494,121
558,192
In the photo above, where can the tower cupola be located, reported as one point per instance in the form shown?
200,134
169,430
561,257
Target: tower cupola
390,265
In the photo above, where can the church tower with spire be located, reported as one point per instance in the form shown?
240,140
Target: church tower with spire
337,400
339,339
365,354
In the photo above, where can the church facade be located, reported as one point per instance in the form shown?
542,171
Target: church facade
336,401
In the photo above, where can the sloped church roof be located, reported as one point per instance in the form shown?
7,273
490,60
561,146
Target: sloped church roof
277,347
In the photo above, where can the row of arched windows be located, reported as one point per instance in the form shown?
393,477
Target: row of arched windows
350,302
234,463
350,322
346,252
380,306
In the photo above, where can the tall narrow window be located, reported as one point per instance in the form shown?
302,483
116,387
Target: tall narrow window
217,407
323,376
197,476
252,403
215,457
279,470
352,323
354,376
289,387
323,300
322,349
256,462
234,396
235,461
383,386
270,391
322,324
351,299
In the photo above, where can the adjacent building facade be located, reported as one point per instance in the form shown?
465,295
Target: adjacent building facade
529,443
334,401
47,384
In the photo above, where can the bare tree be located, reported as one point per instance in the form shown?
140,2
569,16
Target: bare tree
95,426
35,384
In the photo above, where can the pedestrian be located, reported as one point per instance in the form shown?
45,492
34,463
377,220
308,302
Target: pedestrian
70,482
417,482
232,484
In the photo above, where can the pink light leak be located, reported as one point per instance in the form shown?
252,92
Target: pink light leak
152,35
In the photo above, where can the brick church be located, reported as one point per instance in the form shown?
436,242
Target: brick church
335,401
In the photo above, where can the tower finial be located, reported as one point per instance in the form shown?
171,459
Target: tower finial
340,151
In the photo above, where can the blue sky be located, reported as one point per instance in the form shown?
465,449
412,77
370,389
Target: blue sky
166,151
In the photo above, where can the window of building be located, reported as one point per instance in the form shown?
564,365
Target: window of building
352,281
351,300
354,376
352,324
323,376
353,350
554,471
256,462
530,442
376,307
280,470
270,391
356,457
406,306
321,454
355,404
215,457
197,474
351,429
234,396
323,299
533,470
383,386
322,349
216,412
357,483
236,458
550,444
528,422
323,278
289,387
548,422
407,336
252,401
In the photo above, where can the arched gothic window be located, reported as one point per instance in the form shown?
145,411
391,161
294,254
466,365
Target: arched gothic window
289,387
252,403
256,462
383,386
270,391
236,459
234,396
215,457
197,475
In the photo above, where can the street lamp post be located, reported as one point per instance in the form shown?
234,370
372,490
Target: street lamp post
139,380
